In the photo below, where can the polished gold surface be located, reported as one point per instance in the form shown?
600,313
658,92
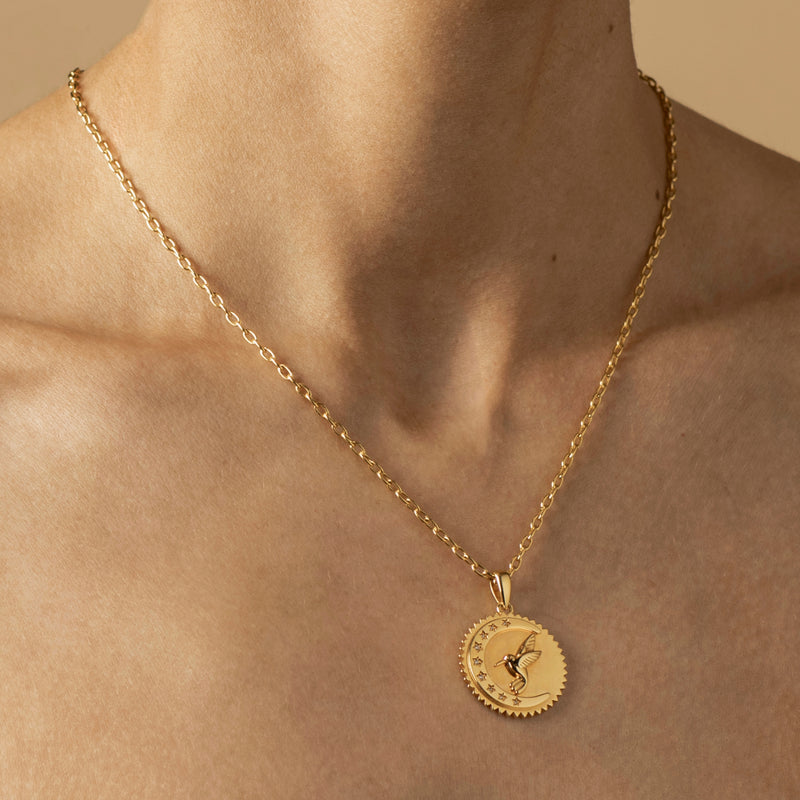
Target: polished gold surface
513,665
501,591
322,410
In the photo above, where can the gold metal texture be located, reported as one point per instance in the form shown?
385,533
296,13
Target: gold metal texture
513,665
322,410
501,591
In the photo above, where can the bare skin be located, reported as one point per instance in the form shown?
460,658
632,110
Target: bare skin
437,218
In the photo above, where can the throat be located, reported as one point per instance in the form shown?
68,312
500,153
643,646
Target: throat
348,141
419,209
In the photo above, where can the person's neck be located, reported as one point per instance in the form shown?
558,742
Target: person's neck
433,194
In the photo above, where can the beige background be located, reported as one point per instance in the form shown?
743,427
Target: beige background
736,61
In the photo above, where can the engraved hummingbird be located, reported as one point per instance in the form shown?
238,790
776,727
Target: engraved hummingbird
518,663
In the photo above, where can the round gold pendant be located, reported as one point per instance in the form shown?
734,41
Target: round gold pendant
513,665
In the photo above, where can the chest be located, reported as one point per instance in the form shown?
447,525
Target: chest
201,606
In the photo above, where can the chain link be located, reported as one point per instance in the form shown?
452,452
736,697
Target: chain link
322,410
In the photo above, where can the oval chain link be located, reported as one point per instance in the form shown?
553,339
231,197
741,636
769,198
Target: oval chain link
322,410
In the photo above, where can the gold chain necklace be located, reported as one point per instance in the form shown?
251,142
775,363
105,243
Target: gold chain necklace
512,664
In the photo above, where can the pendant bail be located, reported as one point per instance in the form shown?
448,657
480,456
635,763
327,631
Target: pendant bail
501,591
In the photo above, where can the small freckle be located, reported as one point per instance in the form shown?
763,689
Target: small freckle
658,195
554,257
611,27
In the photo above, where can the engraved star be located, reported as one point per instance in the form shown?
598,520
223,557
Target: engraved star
481,676
477,661
484,635
490,688
478,646
501,696
517,701
493,627
506,623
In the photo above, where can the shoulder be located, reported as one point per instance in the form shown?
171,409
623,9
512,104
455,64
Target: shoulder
717,361
48,208
730,264
743,201
71,309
